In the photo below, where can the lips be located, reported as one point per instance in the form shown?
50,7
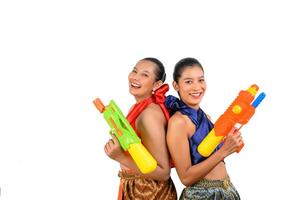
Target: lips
195,94
136,85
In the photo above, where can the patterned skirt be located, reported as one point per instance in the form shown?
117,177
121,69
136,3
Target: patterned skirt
211,190
133,187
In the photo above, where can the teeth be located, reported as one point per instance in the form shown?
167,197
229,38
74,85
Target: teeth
135,85
195,94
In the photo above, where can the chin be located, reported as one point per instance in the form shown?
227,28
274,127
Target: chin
194,103
133,93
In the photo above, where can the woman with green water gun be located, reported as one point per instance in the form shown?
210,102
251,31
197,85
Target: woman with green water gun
148,117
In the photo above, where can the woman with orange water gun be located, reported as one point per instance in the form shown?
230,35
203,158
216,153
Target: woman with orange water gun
204,178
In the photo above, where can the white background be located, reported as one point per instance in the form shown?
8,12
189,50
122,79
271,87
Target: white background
57,56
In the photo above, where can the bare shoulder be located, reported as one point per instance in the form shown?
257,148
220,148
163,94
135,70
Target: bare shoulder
151,122
178,121
178,128
152,115
152,111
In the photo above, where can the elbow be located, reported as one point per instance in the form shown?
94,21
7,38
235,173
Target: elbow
165,175
186,181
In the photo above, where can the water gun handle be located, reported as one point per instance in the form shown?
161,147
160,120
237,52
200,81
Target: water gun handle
242,145
255,103
126,136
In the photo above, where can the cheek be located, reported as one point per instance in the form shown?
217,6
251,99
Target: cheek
148,86
130,76
184,88
147,81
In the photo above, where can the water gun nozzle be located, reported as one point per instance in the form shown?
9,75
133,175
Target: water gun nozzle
99,105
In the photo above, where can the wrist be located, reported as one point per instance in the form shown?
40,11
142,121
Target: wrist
221,154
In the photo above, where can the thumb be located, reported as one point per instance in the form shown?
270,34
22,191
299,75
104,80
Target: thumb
232,131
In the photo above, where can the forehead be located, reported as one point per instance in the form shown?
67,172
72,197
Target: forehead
146,65
192,72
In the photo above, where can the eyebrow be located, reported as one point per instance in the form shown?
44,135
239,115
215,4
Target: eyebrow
145,71
192,78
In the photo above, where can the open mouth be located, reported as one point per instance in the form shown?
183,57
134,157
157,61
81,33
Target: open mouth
135,85
196,94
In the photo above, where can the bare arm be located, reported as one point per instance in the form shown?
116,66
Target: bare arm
177,139
152,126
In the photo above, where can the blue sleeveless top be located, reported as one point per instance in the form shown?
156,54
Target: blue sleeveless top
200,120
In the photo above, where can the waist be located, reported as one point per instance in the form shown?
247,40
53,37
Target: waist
218,172
127,174
205,183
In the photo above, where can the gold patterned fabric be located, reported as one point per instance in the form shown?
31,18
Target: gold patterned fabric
211,190
135,187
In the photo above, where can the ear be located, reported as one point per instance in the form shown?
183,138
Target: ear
175,86
157,85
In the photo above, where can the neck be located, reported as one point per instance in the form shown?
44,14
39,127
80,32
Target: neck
195,106
140,99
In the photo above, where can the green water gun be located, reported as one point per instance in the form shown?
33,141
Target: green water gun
128,139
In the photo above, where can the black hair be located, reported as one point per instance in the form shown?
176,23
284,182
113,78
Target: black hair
183,64
160,71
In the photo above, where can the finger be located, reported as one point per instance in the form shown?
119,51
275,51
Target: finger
236,132
232,131
106,149
110,142
114,139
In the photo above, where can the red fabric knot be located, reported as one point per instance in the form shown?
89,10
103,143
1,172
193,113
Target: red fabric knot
160,94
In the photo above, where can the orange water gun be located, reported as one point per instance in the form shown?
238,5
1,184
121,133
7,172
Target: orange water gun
240,111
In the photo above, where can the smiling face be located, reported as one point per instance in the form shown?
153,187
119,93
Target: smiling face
142,80
191,86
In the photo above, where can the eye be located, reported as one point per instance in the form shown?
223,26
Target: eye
145,75
201,80
188,82
134,71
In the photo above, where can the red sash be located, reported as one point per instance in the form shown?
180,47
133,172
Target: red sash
158,97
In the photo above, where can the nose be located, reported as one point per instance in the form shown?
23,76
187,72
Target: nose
134,77
197,86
